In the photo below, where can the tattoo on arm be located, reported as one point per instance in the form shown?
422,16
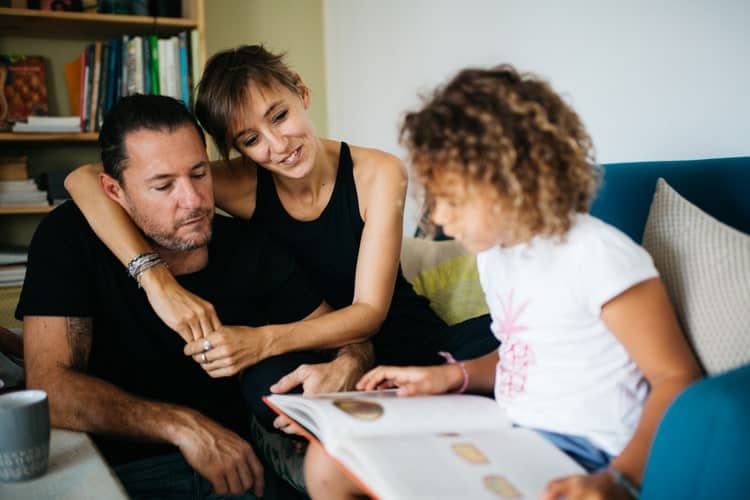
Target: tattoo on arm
79,334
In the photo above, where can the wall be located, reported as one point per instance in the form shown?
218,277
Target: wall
651,80
290,26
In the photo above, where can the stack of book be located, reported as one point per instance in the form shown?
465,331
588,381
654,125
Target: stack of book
16,189
52,124
12,266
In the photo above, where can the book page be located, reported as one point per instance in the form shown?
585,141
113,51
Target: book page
504,463
333,417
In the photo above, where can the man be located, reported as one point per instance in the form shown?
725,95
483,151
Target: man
110,366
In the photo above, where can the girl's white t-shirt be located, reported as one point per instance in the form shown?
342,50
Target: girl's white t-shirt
561,369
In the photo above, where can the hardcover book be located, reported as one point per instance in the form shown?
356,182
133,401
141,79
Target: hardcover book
23,88
445,446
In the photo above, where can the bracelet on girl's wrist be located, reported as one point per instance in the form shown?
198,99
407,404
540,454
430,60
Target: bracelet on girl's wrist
452,361
621,479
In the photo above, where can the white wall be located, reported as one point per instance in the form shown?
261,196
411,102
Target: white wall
651,80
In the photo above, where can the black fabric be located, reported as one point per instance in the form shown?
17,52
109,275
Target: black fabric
328,248
249,279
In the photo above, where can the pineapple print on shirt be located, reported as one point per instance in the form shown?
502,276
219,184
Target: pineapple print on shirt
515,354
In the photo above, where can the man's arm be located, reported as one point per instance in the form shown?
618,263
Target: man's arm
56,357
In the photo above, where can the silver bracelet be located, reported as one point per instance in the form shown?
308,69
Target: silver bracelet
142,263
620,478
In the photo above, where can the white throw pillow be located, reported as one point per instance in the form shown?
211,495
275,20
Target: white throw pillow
705,265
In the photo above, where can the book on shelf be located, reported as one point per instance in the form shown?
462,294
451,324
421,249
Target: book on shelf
73,75
13,254
23,88
12,275
13,168
445,446
51,124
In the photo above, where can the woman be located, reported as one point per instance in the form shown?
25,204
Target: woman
338,208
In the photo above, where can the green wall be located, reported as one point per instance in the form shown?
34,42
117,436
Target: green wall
291,26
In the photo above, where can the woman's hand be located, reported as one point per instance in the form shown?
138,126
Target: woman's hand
596,486
413,380
230,349
184,312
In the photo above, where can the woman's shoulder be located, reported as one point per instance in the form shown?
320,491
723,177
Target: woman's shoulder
373,166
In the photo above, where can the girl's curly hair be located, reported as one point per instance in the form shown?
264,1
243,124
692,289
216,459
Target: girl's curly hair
511,131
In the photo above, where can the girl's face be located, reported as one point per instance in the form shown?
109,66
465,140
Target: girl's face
274,131
471,213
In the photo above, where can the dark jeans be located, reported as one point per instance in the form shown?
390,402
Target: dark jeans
169,477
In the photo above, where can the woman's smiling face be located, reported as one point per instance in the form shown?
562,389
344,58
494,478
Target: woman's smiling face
274,130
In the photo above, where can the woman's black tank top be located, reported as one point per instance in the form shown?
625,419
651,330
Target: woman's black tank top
327,248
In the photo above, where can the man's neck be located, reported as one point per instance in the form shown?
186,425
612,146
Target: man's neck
184,262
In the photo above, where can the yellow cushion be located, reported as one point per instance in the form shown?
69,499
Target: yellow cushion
445,273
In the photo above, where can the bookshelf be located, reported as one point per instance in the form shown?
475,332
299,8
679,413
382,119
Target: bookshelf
60,37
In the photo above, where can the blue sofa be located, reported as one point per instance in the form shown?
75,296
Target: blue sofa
702,446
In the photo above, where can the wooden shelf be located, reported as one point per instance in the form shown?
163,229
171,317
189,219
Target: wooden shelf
79,25
46,137
30,209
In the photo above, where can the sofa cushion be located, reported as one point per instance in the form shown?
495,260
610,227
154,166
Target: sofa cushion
705,265
445,273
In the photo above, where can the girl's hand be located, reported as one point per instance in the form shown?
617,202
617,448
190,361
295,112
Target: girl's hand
230,350
184,312
596,486
413,380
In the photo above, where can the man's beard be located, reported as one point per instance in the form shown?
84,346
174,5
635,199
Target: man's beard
169,239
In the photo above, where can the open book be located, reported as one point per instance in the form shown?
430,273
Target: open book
446,446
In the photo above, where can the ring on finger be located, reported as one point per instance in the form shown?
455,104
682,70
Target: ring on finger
206,345
203,357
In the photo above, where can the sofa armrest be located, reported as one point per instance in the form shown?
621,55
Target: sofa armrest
702,446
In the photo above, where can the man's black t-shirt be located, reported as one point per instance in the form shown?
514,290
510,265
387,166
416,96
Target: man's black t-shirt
249,279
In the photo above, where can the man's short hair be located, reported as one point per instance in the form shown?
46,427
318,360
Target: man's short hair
137,112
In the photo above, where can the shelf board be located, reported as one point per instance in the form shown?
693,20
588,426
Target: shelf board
79,25
28,209
37,137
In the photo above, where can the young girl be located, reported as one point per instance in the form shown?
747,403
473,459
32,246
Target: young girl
591,353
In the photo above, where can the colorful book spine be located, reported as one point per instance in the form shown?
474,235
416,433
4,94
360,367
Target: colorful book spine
153,41
195,59
146,66
184,69
104,78
95,86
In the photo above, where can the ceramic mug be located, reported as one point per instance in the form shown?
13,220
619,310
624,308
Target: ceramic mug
24,435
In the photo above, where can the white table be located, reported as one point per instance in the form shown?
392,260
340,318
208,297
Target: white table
76,472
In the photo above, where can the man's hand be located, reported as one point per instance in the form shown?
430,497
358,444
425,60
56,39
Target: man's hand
222,457
341,374
184,312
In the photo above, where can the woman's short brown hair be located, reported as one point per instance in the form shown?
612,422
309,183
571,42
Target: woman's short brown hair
223,89
511,131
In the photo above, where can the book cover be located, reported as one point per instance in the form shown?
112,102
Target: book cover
104,81
13,168
96,72
88,76
184,69
23,88
153,41
195,60
73,84
444,446
146,66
